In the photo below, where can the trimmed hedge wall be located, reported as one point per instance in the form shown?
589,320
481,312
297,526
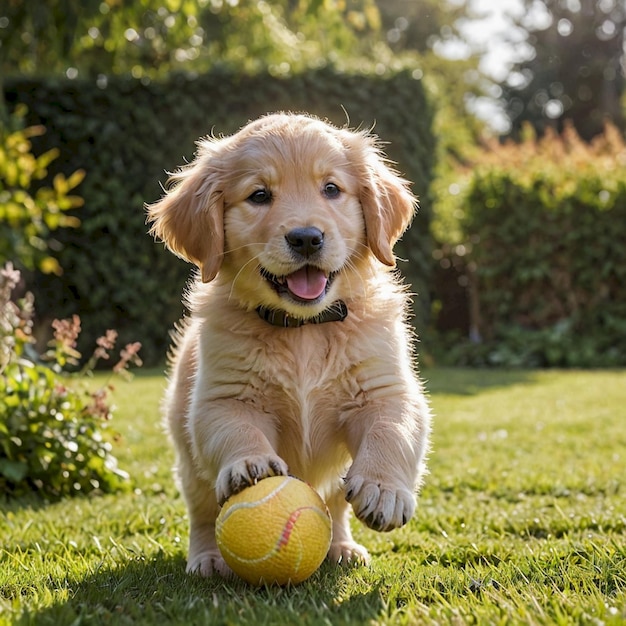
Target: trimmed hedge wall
546,260
126,134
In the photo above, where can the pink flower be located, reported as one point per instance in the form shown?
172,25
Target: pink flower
66,331
105,343
129,355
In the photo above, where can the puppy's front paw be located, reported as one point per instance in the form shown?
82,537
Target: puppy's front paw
209,563
345,552
381,506
241,474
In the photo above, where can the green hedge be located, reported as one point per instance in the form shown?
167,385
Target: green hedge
126,134
547,250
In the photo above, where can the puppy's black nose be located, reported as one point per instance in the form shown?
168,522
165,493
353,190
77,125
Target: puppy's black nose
305,241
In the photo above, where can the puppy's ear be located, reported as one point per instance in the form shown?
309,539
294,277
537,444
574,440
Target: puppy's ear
189,218
387,202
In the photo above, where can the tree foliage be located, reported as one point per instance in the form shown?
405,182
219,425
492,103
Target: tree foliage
574,71
409,25
149,38
417,28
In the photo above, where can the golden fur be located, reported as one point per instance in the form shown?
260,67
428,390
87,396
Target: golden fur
336,403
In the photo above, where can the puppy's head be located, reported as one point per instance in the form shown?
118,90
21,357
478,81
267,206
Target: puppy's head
284,211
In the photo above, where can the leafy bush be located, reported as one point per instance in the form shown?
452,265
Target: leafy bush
125,133
51,431
27,217
543,253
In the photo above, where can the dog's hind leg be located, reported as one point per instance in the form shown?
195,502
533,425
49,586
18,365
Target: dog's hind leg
343,548
204,556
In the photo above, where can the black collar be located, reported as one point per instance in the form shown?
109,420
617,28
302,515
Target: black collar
336,312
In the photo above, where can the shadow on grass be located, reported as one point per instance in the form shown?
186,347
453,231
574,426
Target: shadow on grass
471,381
157,591
10,504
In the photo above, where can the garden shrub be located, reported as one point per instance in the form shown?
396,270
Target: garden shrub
30,211
544,254
125,133
52,432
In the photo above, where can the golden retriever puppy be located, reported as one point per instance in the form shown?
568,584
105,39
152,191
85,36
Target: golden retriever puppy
296,357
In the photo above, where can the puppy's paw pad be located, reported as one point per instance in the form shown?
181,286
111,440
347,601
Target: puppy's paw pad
348,552
381,506
246,472
209,563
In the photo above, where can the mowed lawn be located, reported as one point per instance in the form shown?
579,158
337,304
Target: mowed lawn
522,520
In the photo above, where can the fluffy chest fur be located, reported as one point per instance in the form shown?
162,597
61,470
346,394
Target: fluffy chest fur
306,383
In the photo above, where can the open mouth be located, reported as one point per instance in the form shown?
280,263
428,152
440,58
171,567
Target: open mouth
309,284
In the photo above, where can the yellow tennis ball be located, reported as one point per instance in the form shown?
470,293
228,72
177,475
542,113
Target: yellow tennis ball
275,532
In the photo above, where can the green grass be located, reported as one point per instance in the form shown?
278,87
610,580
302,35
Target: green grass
522,520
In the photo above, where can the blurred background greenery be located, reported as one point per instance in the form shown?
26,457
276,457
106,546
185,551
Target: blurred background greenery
508,117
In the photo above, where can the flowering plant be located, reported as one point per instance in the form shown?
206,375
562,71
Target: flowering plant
51,429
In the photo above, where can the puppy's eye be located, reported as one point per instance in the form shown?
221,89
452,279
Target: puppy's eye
331,190
260,196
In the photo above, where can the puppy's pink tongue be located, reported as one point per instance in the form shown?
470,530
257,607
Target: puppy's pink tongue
308,283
